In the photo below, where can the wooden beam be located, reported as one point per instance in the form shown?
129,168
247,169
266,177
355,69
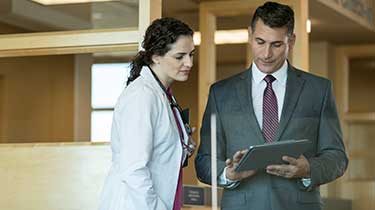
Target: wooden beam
235,7
69,42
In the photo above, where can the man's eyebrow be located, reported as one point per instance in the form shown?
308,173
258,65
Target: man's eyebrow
259,39
274,42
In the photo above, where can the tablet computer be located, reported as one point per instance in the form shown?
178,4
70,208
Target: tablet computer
260,156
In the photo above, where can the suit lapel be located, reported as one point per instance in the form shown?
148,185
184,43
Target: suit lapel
244,89
293,90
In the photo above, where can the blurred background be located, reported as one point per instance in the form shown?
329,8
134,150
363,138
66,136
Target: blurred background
63,63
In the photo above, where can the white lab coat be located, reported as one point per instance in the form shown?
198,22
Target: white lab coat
146,150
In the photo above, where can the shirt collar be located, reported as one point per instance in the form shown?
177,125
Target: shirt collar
280,74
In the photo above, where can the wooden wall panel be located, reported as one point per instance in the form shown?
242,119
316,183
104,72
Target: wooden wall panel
37,98
52,176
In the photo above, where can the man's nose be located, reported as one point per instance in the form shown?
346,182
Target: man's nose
267,52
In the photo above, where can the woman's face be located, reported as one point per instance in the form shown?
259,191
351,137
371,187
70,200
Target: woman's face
176,64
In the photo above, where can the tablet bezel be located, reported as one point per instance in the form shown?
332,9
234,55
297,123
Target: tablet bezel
260,156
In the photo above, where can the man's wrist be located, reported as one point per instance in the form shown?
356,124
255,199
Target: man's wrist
226,178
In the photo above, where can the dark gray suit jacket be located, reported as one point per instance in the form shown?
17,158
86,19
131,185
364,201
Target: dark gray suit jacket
309,112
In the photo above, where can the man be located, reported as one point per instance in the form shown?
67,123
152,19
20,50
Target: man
272,101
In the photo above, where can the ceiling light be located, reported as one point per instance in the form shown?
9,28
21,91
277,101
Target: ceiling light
237,36
308,25
54,2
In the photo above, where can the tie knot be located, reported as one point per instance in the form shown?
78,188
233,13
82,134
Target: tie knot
269,79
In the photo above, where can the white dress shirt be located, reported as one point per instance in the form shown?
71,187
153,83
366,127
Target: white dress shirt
258,86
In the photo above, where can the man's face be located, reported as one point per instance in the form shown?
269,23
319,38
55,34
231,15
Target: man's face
270,46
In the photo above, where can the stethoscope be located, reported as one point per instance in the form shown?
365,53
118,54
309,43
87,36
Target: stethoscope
173,104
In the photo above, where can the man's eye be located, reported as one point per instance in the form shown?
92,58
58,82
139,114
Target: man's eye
179,57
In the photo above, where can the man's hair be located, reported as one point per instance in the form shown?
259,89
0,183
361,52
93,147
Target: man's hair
274,15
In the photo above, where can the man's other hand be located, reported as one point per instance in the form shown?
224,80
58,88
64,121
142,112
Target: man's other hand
231,164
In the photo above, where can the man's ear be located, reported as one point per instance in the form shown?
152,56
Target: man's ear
291,40
250,33
155,59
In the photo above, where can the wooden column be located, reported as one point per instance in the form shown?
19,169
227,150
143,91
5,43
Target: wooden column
300,53
207,57
149,10
82,97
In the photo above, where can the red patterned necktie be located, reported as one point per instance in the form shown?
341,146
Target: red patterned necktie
270,110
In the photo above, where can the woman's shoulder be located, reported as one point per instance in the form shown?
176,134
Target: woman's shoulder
140,90
142,86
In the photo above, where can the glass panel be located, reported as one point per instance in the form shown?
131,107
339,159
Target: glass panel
108,81
20,16
101,123
361,84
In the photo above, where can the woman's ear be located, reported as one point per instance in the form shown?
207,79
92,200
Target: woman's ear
155,59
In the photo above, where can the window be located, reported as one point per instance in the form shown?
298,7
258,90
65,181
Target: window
108,81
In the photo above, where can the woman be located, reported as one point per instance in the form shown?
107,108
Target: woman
149,140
